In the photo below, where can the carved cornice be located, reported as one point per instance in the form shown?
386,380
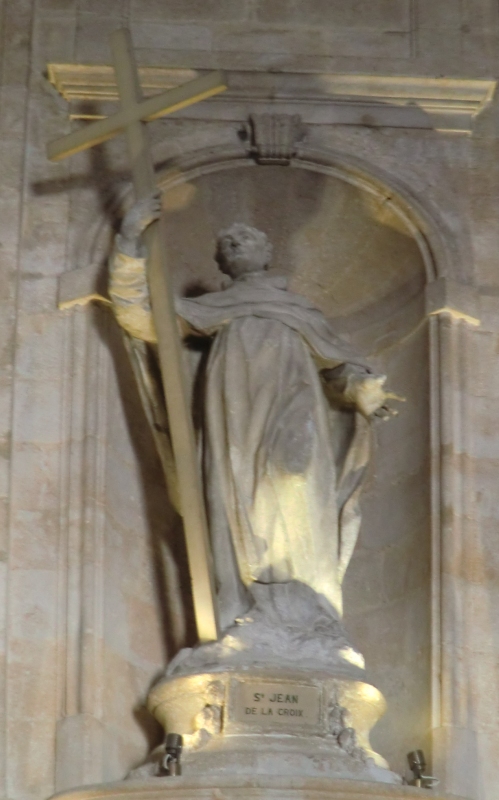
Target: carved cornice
96,82
368,100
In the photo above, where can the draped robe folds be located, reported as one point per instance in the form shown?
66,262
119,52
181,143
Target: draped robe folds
282,464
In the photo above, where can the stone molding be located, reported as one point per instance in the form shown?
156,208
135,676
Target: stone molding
454,520
442,104
78,287
80,592
272,787
445,296
475,305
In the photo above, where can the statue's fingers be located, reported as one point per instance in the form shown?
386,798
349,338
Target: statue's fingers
155,210
392,396
150,203
150,212
385,412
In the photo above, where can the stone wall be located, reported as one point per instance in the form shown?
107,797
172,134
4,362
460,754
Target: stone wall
418,37
81,577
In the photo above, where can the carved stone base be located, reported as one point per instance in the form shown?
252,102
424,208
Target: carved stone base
248,788
271,723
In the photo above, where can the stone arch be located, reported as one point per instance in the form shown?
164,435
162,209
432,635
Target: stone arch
204,165
440,259
436,241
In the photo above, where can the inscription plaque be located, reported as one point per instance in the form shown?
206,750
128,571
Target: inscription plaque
276,705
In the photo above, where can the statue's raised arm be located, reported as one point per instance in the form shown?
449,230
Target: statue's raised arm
129,293
128,287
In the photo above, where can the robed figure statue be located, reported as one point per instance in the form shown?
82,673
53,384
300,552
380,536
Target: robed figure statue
284,425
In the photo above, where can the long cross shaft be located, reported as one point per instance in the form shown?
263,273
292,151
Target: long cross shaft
170,354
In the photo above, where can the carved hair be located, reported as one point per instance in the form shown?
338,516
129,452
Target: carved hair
233,232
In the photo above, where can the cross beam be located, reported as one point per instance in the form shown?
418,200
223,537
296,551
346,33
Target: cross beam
145,110
135,111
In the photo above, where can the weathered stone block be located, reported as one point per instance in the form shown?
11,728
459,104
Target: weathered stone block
7,323
55,42
364,582
431,41
5,412
39,338
79,751
484,348
196,10
392,15
33,624
172,36
16,31
5,470
254,40
38,295
44,242
366,43
444,14
4,537
34,539
92,38
405,566
476,45
111,8
12,124
485,440
61,7
42,465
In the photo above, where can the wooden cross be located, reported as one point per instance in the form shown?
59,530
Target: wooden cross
131,119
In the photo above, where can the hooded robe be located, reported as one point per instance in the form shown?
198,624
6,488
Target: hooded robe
282,458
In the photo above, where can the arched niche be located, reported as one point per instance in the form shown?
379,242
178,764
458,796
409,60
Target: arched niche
352,247
364,249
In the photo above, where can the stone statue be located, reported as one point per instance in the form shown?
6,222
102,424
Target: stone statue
283,436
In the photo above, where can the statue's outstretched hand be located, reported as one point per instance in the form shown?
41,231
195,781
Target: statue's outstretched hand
351,385
369,396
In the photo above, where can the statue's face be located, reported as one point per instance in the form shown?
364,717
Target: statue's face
242,249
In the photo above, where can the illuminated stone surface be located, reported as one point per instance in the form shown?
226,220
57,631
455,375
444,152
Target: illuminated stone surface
87,545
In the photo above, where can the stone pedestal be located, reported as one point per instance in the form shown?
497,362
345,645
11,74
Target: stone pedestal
272,723
250,788
265,735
